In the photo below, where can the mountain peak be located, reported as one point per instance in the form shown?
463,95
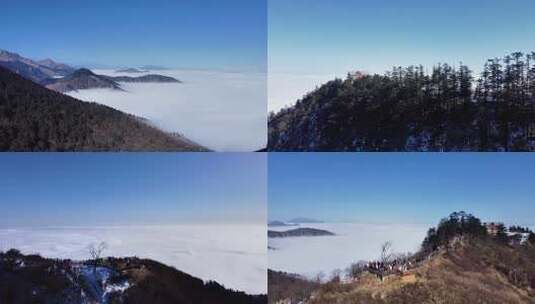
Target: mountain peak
48,62
82,79
37,71
6,55
82,72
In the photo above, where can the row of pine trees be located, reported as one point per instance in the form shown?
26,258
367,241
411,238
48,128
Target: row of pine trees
410,108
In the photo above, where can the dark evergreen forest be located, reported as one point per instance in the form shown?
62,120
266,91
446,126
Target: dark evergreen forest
410,109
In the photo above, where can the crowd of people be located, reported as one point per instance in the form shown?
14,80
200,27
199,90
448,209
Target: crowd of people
382,269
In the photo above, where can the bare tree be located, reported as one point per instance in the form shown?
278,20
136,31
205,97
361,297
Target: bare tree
385,258
95,251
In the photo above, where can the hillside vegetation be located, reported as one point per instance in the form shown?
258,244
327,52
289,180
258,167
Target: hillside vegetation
467,272
34,279
33,118
460,262
408,109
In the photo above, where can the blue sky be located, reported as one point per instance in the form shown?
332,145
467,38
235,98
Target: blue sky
125,188
401,187
317,36
194,34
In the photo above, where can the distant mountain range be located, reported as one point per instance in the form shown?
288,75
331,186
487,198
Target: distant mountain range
130,70
85,79
279,224
58,68
153,67
36,71
63,78
298,232
34,279
150,78
34,118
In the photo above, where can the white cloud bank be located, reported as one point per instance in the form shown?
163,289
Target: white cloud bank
233,255
353,242
224,111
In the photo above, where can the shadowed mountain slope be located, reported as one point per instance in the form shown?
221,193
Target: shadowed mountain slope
33,118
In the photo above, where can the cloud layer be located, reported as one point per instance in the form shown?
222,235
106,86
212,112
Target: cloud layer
233,255
353,242
224,111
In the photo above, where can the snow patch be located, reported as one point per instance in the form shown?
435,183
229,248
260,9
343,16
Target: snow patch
97,282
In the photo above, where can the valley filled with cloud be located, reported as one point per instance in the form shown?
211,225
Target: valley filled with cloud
223,111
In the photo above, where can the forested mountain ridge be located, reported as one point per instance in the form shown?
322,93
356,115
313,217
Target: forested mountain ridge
34,279
63,78
408,109
33,118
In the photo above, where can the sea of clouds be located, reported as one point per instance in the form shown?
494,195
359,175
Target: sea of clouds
232,254
224,111
310,256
